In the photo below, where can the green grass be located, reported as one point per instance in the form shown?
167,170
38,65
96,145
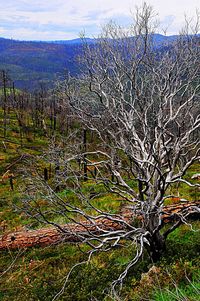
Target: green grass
187,292
38,274
9,91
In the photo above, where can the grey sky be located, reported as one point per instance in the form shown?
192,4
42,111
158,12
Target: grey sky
65,19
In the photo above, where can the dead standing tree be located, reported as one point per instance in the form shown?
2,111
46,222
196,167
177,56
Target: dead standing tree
142,102
4,79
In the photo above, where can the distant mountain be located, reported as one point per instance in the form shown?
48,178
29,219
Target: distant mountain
30,62
73,42
160,39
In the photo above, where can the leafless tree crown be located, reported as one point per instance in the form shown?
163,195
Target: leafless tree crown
141,101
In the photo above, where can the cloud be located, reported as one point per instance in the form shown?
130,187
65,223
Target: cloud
36,19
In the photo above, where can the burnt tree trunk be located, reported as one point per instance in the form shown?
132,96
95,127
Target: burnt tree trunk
4,103
84,157
157,246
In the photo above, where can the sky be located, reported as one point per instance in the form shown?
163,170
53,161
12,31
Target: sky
66,19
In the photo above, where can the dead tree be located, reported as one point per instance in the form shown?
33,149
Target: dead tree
84,156
142,102
5,79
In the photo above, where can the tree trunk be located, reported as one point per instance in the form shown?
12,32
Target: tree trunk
157,246
85,157
76,232
4,104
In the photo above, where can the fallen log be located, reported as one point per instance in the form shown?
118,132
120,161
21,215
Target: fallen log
70,232
73,233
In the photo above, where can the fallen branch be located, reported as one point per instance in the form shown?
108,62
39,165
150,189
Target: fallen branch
18,159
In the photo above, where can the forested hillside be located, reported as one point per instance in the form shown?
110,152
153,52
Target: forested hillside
29,63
